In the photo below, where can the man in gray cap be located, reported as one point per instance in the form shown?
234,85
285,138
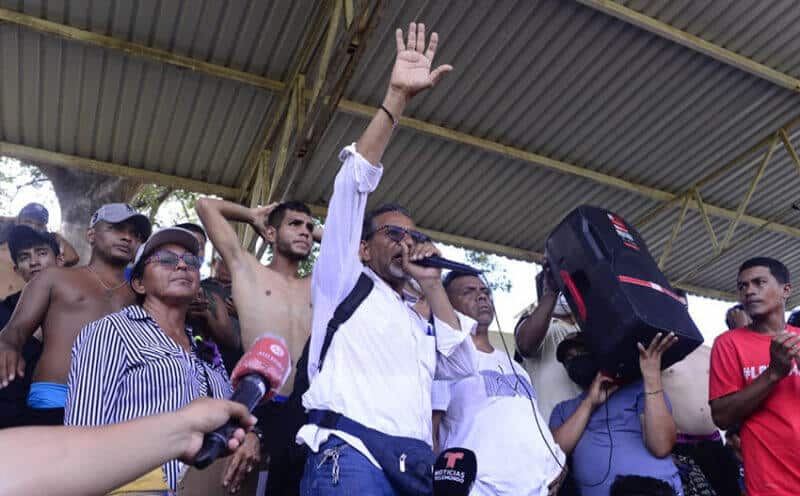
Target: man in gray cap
35,216
63,300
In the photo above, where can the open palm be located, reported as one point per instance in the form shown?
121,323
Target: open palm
412,67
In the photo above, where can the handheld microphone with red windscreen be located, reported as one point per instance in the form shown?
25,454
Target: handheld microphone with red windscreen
260,373
454,472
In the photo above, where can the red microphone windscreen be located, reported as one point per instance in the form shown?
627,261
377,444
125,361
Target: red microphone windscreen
267,357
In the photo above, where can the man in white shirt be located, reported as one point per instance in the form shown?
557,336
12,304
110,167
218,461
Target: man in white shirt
538,335
382,361
493,412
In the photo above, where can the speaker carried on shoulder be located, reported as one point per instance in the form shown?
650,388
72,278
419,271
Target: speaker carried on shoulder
616,291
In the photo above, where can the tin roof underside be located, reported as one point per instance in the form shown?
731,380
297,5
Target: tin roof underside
550,77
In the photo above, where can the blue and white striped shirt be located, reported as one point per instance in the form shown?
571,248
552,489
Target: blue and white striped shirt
124,367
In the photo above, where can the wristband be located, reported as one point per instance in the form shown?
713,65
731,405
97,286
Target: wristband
391,117
657,391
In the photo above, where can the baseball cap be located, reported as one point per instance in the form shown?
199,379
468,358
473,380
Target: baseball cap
169,235
114,213
22,237
34,211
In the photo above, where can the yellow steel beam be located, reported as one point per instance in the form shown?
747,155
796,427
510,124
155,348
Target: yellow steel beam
694,43
142,51
342,60
715,174
289,125
299,65
137,50
563,167
787,143
38,156
749,195
662,261
709,228
327,49
348,11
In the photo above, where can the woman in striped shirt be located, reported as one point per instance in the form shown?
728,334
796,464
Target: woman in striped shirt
143,360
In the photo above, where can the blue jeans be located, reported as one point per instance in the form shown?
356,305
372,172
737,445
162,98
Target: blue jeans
339,469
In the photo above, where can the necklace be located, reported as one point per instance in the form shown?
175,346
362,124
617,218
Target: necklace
109,289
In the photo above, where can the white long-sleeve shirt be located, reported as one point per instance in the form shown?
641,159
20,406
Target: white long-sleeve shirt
382,361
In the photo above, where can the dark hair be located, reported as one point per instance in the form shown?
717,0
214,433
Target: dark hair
776,268
368,229
680,292
635,485
279,213
195,228
26,243
452,276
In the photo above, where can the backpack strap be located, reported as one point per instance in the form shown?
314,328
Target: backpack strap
345,310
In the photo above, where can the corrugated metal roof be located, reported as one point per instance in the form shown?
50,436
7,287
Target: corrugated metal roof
551,77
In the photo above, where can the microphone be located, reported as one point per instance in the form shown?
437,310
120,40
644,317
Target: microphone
438,262
454,472
260,373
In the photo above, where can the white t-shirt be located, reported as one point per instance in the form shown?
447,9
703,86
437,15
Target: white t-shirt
491,414
550,379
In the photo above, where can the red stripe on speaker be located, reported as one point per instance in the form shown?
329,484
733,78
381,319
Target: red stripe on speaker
576,295
651,285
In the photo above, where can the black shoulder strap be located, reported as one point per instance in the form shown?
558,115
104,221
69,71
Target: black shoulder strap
344,311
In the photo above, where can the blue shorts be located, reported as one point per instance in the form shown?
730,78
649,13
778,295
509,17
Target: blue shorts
47,395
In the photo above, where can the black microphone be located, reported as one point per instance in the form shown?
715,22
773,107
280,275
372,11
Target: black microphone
454,472
438,262
249,392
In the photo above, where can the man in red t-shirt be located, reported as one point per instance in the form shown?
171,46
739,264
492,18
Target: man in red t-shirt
755,381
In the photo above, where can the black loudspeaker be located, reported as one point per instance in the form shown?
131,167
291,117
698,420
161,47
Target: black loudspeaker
616,291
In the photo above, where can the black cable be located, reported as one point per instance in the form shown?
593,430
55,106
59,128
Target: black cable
511,363
610,449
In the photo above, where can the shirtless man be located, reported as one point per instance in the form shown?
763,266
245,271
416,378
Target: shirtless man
272,298
35,216
63,300
699,441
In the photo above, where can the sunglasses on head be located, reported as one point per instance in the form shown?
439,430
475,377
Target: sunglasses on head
397,234
170,259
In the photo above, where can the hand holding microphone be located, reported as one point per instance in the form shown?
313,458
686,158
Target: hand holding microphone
260,373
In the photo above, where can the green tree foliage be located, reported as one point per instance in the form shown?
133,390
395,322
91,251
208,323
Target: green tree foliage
496,275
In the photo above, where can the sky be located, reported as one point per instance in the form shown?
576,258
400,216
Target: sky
707,313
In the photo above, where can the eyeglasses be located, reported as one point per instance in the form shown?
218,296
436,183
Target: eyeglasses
397,234
170,259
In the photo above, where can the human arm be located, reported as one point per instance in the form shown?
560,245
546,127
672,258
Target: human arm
215,214
27,317
732,401
440,400
411,74
84,461
532,329
658,426
567,432
68,252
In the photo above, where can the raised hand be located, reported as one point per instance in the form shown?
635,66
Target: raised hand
412,68
650,357
260,216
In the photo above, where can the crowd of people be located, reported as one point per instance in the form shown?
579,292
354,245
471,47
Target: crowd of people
391,362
